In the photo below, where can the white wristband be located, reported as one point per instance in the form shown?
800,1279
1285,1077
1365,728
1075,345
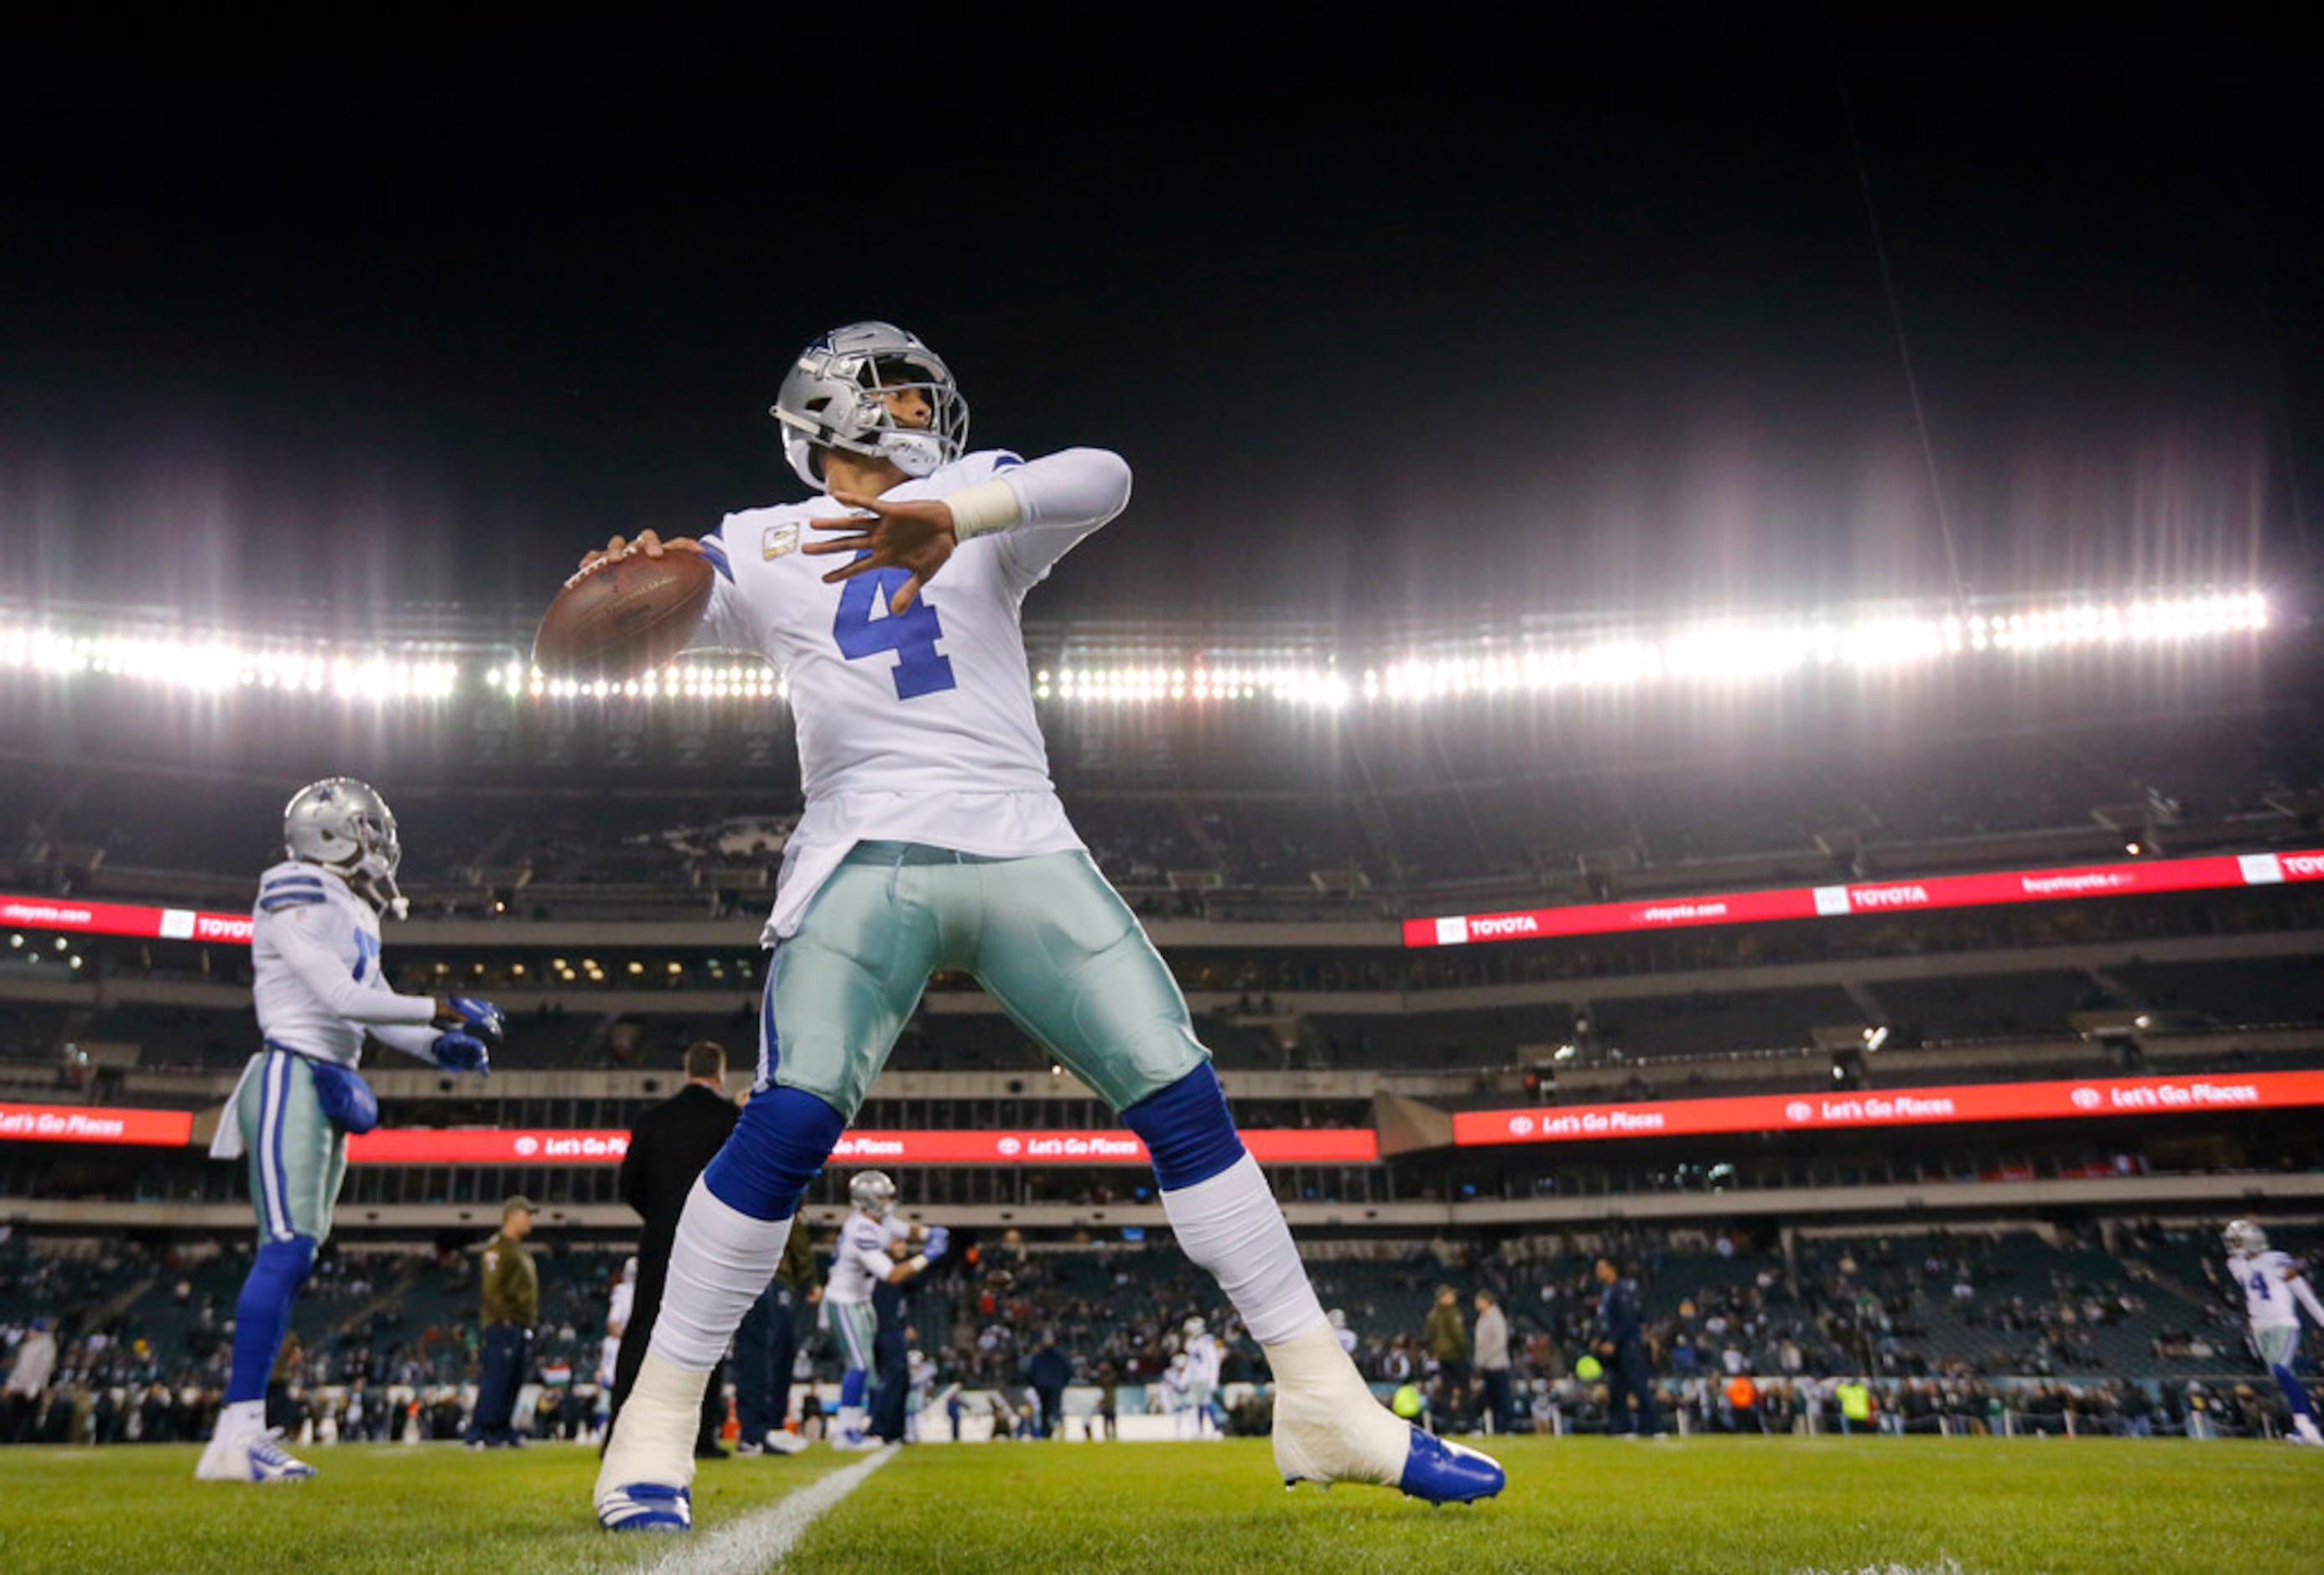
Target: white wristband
985,507
919,1264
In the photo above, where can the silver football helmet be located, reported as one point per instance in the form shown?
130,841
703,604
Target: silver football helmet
2243,1239
831,398
871,1191
345,826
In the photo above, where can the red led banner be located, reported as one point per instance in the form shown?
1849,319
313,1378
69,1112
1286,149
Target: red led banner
1914,1106
113,918
2218,872
92,1124
422,1145
1807,902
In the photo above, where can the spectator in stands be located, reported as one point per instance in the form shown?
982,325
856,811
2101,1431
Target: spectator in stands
1493,1363
667,1150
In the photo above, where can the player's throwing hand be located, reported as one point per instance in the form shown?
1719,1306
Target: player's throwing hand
916,535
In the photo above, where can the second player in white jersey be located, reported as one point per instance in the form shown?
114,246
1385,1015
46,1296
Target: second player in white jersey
865,1258
2274,1292
319,990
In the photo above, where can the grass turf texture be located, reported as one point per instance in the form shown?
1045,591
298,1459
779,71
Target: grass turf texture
384,1507
1970,1506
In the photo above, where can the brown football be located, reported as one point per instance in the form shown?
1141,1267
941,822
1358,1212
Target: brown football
621,618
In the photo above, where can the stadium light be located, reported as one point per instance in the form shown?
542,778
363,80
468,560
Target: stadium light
1724,652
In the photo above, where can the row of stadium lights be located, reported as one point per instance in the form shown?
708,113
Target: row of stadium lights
1722,653
589,967
217,666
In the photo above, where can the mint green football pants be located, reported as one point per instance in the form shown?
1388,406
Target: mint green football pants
1046,936
298,1157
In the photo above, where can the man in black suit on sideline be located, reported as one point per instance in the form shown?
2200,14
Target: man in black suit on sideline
667,1150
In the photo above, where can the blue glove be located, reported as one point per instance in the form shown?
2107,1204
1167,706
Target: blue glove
938,1239
479,1019
458,1052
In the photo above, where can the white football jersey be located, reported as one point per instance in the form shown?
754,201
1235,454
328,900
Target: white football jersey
619,1306
918,726
1203,1360
318,988
862,1260
2267,1280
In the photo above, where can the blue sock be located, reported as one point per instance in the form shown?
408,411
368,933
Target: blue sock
851,1387
262,1316
1188,1134
784,1136
2294,1391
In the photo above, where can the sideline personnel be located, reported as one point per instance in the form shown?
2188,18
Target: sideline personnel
512,1290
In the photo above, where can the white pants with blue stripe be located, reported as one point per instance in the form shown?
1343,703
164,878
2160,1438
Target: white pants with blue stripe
853,1324
298,1157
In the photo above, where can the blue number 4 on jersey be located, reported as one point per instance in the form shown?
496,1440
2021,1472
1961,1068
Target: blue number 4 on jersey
912,634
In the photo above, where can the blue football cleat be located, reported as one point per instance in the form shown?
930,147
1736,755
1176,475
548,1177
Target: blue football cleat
1449,1473
646,1506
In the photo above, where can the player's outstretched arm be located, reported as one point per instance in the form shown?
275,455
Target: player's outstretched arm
1044,508
1061,499
297,937
2305,1297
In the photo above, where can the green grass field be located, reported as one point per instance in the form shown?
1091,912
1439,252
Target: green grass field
1970,1506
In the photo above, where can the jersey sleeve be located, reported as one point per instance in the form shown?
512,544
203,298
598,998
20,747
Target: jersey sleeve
301,935
1064,497
417,1042
869,1251
726,621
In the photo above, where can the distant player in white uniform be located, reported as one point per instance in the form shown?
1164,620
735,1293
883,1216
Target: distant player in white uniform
618,1307
867,1256
933,839
2274,1291
1177,1391
1341,1332
318,989
1205,1360
921,1374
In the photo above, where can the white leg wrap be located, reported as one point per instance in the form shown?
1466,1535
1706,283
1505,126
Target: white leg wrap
722,1259
1230,1226
1328,1426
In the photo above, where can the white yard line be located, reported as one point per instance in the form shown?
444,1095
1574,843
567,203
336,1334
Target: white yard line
759,1541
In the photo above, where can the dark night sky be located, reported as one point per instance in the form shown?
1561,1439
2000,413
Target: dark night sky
1382,325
